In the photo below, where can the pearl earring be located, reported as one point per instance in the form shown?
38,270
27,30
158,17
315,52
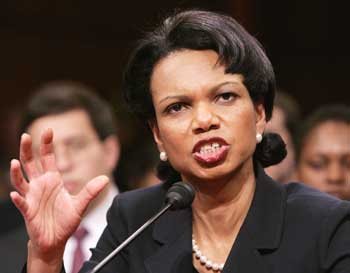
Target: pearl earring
258,138
163,156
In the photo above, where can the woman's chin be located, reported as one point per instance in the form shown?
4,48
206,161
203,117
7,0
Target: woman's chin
210,174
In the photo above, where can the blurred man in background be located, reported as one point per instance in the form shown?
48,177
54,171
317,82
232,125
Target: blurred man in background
86,145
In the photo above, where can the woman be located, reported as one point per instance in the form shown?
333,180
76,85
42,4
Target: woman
206,89
324,150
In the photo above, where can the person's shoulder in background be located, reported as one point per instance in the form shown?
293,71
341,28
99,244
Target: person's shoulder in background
308,199
13,250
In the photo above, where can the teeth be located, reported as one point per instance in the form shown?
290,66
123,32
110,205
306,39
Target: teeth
215,145
209,148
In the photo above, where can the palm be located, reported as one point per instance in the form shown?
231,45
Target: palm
46,225
50,212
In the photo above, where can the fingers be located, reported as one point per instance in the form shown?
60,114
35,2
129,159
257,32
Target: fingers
47,156
19,202
90,191
27,158
19,183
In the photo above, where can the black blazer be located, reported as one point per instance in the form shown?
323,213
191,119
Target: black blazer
289,229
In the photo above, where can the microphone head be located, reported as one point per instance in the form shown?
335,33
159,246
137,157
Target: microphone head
180,195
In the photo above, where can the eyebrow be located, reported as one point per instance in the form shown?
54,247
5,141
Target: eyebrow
183,97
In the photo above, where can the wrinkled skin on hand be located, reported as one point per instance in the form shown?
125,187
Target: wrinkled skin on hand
51,214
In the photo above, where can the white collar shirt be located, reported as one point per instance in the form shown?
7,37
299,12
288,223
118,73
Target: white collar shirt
94,222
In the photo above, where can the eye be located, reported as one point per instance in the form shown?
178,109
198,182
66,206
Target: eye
345,162
76,145
317,164
175,108
226,97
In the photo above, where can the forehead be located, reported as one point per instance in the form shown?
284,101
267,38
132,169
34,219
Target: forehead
65,125
332,137
188,70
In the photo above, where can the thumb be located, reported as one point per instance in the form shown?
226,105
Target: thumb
90,191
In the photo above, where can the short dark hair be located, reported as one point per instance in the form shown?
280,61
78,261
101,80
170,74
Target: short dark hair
57,97
199,30
333,112
237,50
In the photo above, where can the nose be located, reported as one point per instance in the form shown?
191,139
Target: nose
204,119
336,174
63,159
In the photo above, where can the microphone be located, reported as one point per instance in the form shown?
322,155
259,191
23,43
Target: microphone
179,196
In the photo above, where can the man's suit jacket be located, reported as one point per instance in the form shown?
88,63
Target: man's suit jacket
289,229
13,250
13,238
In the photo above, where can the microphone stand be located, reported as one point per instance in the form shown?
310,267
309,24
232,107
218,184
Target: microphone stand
130,238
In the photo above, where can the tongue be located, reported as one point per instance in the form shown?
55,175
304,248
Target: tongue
209,157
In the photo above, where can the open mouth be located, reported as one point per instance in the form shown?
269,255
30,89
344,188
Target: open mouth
210,151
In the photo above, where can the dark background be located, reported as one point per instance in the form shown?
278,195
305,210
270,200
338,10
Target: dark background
90,41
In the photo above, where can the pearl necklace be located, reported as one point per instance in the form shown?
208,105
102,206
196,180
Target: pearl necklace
204,260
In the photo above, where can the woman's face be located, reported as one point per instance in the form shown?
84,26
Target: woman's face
206,121
325,159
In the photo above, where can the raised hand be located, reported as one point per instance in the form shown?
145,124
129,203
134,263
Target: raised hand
51,214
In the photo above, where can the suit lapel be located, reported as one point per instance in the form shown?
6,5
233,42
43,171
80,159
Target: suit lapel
174,233
262,229
259,234
244,257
